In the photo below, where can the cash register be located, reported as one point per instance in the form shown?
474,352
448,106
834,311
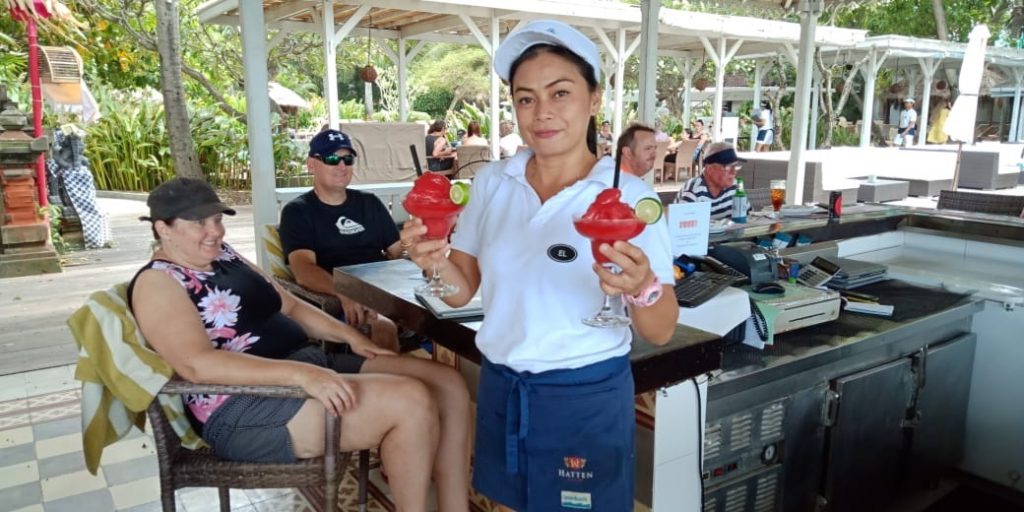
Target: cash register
798,306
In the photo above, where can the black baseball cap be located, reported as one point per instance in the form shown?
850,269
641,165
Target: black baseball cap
328,141
184,198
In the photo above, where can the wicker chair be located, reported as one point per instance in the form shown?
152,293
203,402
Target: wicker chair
283,275
981,203
471,159
181,467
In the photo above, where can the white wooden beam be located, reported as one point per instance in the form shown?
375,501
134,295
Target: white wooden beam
796,168
607,42
426,27
928,68
632,47
212,10
620,71
415,50
391,55
711,52
257,116
349,24
276,40
495,92
481,39
790,53
287,9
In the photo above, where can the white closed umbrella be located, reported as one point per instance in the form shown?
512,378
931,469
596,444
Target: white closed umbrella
960,124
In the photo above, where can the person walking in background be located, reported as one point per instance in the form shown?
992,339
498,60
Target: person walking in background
765,131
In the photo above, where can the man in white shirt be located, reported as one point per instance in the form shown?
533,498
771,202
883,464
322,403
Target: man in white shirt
908,123
510,141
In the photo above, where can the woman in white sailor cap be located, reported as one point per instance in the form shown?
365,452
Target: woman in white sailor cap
555,418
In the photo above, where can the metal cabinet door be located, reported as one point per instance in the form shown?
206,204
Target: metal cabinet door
938,434
866,442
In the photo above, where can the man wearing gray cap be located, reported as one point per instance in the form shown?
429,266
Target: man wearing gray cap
717,184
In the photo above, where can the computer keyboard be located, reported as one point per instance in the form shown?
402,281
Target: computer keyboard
699,287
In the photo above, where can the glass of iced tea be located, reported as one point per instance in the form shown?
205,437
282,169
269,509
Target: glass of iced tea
778,191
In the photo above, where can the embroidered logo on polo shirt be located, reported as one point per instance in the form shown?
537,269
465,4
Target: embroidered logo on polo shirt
347,226
576,500
573,469
562,253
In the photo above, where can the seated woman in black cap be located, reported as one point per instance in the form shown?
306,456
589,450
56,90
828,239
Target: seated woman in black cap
216,318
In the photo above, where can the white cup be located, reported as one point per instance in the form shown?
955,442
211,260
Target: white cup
872,179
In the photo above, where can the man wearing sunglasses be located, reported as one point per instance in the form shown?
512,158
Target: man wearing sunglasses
717,183
333,225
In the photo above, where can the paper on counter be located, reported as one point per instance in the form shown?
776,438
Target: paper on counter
719,315
689,227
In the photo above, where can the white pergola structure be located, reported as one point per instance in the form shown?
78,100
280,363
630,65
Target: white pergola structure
923,59
616,28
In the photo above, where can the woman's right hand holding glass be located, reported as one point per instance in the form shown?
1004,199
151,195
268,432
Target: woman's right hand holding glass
424,252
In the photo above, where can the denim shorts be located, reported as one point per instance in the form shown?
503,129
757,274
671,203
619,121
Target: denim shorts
250,428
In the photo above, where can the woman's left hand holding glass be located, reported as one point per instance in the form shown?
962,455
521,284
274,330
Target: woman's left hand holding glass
635,268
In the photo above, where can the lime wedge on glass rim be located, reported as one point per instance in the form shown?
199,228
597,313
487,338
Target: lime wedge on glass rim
649,210
459,193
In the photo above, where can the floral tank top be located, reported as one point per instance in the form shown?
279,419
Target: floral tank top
240,310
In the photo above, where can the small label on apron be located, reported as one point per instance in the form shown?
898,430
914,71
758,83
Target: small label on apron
576,500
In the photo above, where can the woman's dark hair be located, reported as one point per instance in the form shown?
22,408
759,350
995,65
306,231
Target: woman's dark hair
473,129
582,66
437,126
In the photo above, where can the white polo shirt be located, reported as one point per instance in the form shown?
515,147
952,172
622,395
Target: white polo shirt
537,283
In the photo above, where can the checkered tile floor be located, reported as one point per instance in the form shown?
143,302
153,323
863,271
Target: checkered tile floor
42,468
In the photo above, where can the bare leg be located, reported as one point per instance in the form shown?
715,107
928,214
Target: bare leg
448,389
395,412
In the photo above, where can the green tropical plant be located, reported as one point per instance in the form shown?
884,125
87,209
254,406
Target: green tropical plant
434,102
460,119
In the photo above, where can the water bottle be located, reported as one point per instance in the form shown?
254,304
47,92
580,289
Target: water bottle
739,203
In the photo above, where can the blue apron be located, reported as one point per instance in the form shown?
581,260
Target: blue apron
557,440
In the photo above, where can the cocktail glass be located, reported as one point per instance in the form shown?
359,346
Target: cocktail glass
778,191
430,201
607,231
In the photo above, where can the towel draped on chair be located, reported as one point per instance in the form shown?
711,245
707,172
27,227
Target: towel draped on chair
120,375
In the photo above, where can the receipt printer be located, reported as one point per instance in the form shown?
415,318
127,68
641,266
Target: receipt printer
747,258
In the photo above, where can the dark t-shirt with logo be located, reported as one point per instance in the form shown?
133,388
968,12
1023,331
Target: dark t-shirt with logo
356,231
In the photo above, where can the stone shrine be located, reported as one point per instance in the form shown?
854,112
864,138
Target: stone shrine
25,247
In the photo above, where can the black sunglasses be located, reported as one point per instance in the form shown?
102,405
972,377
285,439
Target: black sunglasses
333,159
